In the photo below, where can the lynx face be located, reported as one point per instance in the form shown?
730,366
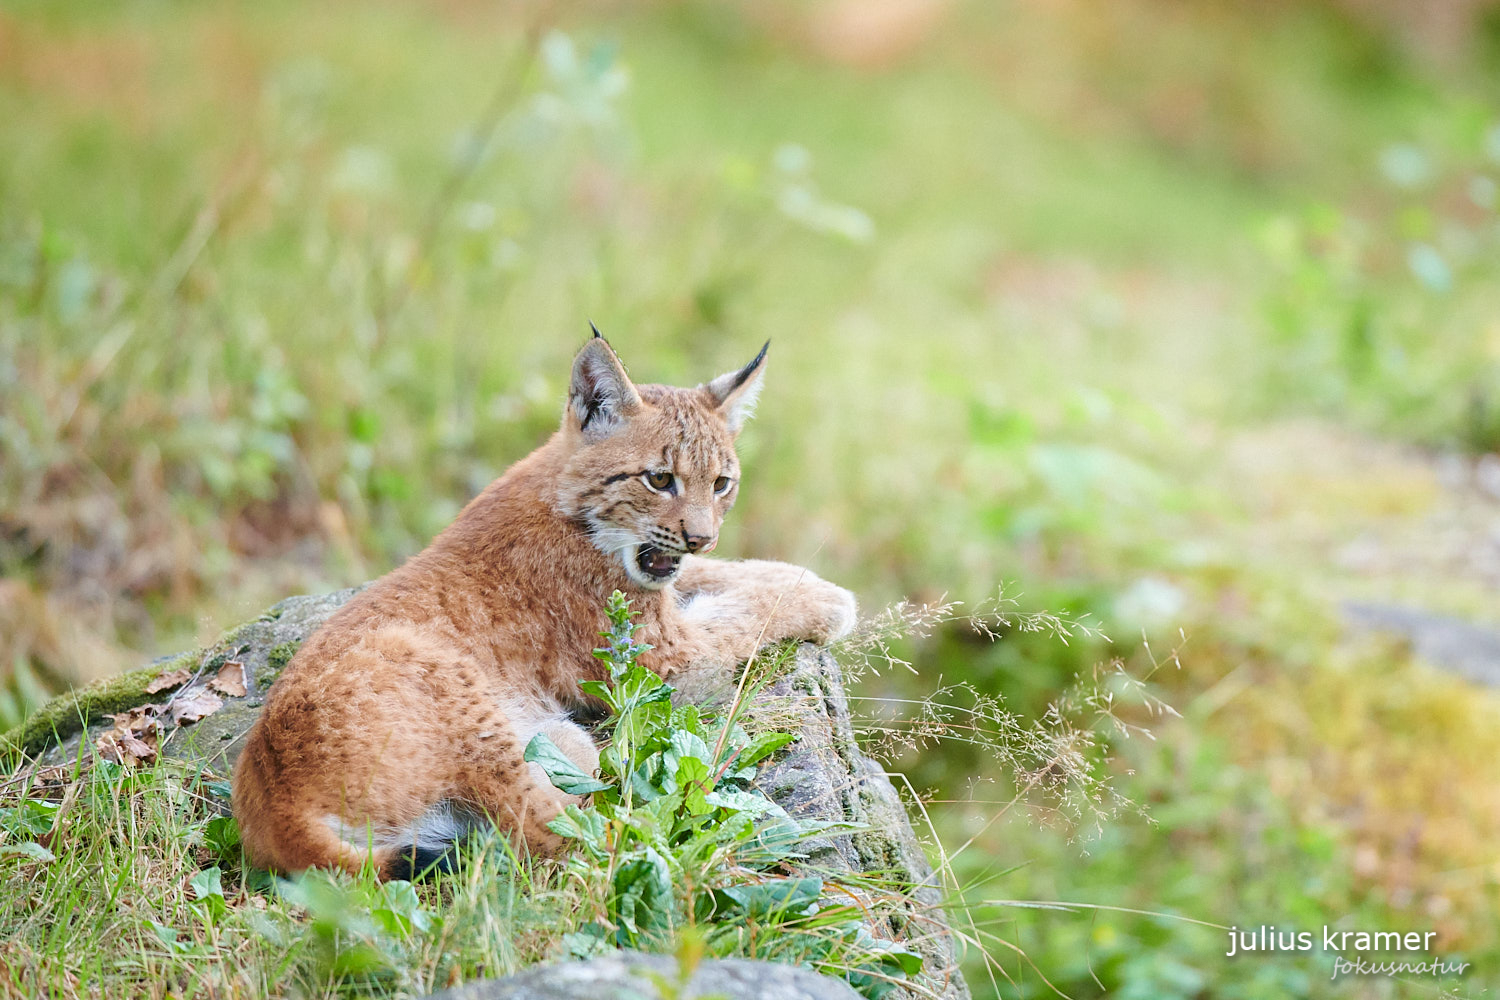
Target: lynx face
652,470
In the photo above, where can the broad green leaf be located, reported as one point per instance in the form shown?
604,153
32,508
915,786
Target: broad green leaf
643,902
27,849
753,803
893,958
222,835
684,744
168,936
736,827
775,898
600,690
393,923
402,901
208,889
639,724
681,745
688,719
32,818
561,770
762,747
587,826
909,961
206,883
587,942
221,790
693,779
643,781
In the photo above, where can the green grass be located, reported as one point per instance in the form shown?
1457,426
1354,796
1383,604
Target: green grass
133,850
1111,251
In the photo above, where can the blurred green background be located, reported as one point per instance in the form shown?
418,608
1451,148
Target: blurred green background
1182,316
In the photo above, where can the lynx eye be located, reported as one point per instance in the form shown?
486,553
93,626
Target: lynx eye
661,481
721,484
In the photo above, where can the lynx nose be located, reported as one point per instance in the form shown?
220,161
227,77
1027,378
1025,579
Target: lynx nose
699,543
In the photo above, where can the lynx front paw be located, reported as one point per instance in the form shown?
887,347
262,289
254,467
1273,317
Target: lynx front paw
831,612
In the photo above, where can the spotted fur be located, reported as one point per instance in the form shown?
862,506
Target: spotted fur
399,727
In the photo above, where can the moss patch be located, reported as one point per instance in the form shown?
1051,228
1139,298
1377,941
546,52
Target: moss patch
276,661
68,713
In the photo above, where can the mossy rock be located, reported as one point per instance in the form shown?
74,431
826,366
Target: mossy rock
57,730
66,714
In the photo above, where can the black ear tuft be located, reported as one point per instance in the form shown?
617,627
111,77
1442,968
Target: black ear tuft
743,375
735,393
600,396
600,335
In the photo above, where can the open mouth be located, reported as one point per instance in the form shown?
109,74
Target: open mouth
656,563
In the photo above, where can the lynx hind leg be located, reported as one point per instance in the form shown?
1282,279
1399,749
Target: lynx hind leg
517,794
573,740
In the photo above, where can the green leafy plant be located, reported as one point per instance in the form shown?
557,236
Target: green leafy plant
683,842
1380,310
366,931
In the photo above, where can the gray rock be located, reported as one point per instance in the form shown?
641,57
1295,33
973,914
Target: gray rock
1471,651
825,776
631,975
821,776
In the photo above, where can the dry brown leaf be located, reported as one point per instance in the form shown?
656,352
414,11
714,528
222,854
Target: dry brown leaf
134,737
108,745
143,752
123,748
137,718
171,679
231,679
195,705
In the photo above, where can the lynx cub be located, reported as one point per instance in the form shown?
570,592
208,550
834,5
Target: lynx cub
400,725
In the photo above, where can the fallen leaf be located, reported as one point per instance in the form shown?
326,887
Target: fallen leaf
142,752
125,749
133,738
231,679
108,745
139,718
171,679
195,705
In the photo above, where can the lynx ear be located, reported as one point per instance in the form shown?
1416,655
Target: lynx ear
601,397
735,393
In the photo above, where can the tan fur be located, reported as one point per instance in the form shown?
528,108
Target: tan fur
417,699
